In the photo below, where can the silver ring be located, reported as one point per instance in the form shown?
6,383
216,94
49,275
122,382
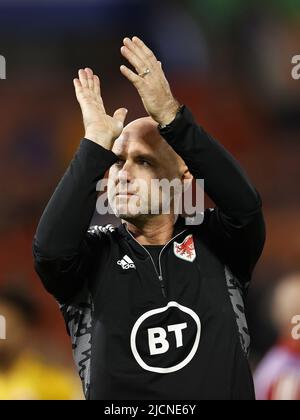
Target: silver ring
147,71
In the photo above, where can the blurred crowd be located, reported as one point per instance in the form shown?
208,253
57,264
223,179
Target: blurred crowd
230,62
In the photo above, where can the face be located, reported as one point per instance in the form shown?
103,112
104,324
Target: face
145,158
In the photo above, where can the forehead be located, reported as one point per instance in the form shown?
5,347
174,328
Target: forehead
141,136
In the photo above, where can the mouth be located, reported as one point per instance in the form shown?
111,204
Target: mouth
125,195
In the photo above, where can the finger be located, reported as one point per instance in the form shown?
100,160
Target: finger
135,49
130,75
83,78
78,87
97,87
139,52
161,68
77,83
120,115
144,49
97,90
90,77
133,59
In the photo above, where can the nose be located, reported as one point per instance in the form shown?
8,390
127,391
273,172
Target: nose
124,174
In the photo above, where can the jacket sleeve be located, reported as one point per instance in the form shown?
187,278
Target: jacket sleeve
236,226
63,246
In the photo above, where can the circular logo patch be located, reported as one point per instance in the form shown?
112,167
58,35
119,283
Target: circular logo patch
166,339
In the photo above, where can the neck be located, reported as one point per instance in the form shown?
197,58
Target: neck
156,230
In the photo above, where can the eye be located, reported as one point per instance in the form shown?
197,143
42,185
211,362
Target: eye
144,162
119,162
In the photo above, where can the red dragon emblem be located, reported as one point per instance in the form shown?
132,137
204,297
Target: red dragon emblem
185,250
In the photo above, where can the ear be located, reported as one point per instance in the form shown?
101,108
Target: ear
186,178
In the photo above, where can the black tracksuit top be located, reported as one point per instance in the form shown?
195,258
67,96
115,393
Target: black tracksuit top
140,330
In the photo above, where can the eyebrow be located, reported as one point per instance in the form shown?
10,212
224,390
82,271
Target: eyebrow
145,156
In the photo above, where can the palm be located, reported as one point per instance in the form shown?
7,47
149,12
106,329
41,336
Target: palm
153,87
95,119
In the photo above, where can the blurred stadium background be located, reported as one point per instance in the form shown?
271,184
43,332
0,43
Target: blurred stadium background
229,61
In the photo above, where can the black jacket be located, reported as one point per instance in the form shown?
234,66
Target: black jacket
140,331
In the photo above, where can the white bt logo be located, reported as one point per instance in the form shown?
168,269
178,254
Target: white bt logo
167,346
157,338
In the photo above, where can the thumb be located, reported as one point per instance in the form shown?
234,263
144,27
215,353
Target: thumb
120,115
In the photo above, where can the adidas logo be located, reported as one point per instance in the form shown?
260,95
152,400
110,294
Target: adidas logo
126,263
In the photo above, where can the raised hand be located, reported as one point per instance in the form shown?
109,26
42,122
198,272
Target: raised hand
149,80
99,127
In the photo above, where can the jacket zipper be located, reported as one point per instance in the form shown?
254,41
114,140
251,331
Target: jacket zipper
159,274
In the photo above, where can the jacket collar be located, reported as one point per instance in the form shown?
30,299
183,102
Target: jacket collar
179,227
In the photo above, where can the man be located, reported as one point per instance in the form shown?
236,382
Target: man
21,367
154,307
278,374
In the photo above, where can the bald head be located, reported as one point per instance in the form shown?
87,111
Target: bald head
286,302
142,135
143,125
